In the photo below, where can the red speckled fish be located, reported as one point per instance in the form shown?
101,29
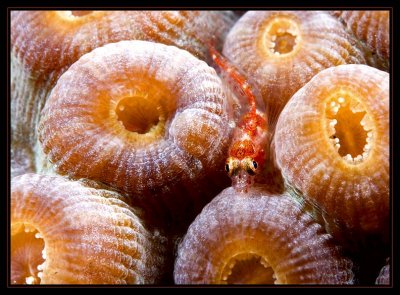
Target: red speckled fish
247,153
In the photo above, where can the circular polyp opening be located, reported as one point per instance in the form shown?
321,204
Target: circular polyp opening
281,36
79,13
248,269
27,254
350,128
73,15
137,114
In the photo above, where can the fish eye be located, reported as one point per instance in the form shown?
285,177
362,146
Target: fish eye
251,171
255,165
232,166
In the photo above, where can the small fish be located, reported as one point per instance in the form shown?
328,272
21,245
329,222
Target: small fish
247,153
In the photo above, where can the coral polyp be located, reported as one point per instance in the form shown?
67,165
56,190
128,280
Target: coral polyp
332,144
65,232
45,43
143,117
200,147
371,28
283,50
258,238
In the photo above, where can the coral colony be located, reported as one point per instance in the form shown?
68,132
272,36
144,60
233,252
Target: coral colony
200,147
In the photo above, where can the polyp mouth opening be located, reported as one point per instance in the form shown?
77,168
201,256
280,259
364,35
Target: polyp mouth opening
74,15
28,254
248,269
137,114
350,128
281,36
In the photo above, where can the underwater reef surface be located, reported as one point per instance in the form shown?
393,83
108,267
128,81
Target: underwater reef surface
200,147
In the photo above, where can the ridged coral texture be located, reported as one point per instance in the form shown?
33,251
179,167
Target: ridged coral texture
282,50
64,232
372,28
384,275
258,238
81,235
332,144
45,43
136,115
200,147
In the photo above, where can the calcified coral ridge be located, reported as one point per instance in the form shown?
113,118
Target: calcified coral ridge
154,119
371,28
384,275
340,156
282,50
258,238
131,128
64,232
45,43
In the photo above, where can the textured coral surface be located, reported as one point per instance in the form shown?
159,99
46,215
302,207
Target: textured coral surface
258,238
136,115
200,147
145,118
45,43
282,50
371,27
384,275
340,154
64,232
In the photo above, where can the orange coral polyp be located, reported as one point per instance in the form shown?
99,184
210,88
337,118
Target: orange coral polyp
28,254
138,116
332,144
248,268
282,50
66,232
280,36
349,133
135,118
258,237
129,99
44,44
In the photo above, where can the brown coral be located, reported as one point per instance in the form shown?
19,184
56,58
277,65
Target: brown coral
282,50
159,133
261,238
45,43
371,27
332,143
143,117
64,232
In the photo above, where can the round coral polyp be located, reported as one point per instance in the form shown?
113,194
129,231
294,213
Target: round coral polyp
332,144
